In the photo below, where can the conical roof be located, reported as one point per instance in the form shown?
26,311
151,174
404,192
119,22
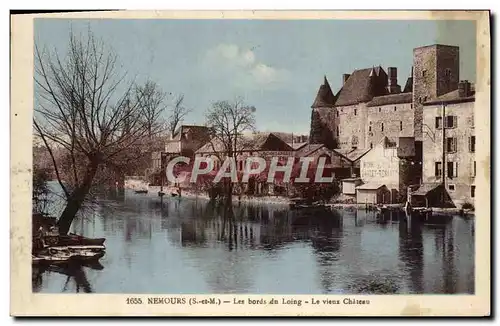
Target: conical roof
325,97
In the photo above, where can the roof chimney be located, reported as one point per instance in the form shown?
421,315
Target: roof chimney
392,85
344,78
464,88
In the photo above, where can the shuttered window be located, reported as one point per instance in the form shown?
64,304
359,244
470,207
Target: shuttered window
452,169
438,169
439,122
451,145
451,121
472,144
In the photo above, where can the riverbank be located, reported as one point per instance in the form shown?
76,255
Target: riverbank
278,200
268,200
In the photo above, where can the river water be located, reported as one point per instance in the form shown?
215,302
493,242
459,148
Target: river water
188,246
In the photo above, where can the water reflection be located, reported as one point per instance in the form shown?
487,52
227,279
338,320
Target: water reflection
184,245
75,276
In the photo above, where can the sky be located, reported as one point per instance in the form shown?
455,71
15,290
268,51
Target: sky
276,66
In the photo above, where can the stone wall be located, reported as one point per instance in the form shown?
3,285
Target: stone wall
435,72
351,122
397,120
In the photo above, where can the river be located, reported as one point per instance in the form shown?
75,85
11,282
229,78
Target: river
188,246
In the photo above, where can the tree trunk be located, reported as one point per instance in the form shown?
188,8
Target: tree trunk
229,193
76,199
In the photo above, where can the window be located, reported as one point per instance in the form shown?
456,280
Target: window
470,121
451,187
400,125
472,144
452,168
474,169
338,131
411,106
337,113
424,73
379,109
438,169
451,145
394,109
355,112
451,121
382,127
473,191
371,146
439,122
369,128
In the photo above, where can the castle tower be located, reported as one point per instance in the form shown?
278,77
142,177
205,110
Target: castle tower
322,116
436,71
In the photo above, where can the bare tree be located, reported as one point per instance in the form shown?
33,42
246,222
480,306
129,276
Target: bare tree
228,121
177,114
152,101
85,108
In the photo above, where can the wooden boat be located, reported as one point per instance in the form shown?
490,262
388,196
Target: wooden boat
35,260
75,239
311,206
86,255
161,193
77,252
296,202
142,191
53,256
173,194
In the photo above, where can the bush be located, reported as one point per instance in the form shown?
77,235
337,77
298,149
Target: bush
468,206
316,192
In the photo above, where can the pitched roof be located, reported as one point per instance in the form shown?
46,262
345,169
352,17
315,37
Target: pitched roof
325,97
352,155
296,146
253,142
186,128
308,149
409,85
213,145
451,97
391,99
362,85
425,188
370,186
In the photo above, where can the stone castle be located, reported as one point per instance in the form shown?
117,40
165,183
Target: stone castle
372,108
371,104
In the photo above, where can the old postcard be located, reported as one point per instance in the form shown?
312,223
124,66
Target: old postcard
252,163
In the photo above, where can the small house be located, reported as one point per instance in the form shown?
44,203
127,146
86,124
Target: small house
349,186
373,193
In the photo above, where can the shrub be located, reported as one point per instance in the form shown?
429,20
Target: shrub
468,205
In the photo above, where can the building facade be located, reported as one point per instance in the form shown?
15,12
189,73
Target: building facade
391,164
449,143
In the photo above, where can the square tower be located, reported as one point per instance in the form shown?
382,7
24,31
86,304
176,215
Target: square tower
436,70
